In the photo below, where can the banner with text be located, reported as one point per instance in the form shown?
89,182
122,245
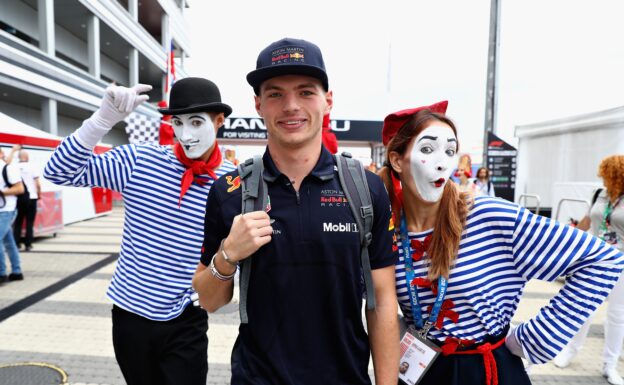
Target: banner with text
347,130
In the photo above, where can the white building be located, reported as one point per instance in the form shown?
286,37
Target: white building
58,56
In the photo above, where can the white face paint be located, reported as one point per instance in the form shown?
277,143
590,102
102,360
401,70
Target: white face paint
432,160
195,132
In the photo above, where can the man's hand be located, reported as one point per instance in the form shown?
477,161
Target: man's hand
118,102
249,232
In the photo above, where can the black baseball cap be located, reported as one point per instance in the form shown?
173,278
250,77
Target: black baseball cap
288,57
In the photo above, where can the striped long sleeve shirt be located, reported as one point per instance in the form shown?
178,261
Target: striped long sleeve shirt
502,247
161,243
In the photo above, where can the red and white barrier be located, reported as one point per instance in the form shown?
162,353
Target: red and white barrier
58,205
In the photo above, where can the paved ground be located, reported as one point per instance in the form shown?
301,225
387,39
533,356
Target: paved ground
58,318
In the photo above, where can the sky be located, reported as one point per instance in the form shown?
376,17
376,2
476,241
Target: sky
557,58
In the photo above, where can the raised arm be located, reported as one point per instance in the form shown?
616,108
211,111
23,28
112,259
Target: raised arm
9,158
73,162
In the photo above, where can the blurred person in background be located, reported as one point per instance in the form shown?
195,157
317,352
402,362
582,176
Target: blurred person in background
464,175
465,183
230,154
606,221
27,203
484,184
10,186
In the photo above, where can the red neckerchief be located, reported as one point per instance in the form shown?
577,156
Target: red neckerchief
196,167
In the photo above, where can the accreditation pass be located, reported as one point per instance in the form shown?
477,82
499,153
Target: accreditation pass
417,355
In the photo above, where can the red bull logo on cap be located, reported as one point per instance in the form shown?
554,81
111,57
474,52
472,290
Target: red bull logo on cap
279,58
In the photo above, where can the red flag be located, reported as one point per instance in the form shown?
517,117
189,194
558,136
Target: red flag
165,136
171,77
166,131
329,138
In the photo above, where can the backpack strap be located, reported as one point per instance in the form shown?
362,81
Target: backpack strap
355,187
254,198
5,176
6,181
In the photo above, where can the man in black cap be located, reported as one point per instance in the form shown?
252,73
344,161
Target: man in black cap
158,338
305,290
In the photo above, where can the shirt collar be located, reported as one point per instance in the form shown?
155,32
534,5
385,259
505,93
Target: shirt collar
323,170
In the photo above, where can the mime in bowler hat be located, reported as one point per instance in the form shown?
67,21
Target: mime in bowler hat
159,337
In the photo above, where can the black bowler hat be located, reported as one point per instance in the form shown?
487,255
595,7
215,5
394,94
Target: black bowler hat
288,57
195,95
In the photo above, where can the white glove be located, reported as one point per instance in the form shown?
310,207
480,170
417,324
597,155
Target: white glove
513,344
118,102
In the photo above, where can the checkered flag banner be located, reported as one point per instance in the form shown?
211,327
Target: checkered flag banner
142,129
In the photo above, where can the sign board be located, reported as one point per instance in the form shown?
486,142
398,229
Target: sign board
345,130
501,160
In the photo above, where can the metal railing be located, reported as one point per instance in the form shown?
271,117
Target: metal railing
523,197
556,217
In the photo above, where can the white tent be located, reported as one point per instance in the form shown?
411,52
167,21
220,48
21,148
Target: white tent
559,159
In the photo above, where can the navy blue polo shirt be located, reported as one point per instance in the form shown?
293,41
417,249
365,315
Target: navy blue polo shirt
305,289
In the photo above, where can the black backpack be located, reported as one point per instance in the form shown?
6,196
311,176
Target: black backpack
21,198
355,187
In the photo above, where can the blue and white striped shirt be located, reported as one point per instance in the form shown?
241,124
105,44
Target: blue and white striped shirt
502,247
161,243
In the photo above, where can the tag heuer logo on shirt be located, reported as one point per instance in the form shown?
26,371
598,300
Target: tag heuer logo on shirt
233,183
329,227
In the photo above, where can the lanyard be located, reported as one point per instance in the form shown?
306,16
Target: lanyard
606,216
412,290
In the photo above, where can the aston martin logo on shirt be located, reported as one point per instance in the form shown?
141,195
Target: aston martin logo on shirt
333,198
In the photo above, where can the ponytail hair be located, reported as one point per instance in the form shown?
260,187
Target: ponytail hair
448,230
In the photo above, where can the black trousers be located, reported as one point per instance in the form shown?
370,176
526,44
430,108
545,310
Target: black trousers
171,352
470,369
25,210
